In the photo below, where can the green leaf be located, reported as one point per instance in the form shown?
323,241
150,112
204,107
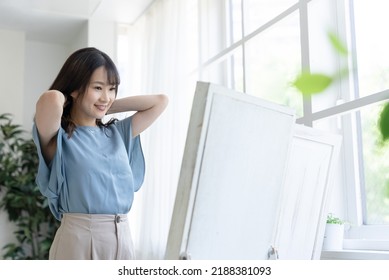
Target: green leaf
337,44
308,83
6,116
383,123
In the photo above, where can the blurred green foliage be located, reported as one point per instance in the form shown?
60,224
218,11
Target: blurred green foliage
20,196
314,83
310,83
383,123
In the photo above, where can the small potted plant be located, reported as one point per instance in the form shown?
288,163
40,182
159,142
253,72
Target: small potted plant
334,233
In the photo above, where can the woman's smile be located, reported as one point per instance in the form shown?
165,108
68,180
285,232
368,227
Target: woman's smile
102,107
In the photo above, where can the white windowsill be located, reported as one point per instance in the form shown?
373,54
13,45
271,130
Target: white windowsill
366,244
354,255
359,249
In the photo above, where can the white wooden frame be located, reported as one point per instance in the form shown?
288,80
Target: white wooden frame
309,180
194,172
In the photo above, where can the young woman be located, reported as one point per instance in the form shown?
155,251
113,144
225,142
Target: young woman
88,169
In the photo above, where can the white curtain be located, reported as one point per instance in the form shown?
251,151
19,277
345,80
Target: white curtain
162,54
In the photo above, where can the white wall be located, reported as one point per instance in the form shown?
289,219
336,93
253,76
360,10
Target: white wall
12,46
102,35
81,39
43,62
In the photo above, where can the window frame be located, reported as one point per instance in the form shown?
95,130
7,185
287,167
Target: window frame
345,109
360,235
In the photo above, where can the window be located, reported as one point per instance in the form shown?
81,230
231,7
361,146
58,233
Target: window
259,51
262,45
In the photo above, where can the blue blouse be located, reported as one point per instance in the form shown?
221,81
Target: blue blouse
95,171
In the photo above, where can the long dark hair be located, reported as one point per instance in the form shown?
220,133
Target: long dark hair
75,75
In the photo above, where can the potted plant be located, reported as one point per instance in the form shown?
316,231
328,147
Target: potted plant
20,196
334,233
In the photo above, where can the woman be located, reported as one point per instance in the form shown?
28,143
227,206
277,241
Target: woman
88,169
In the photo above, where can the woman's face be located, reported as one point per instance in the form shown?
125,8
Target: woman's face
96,101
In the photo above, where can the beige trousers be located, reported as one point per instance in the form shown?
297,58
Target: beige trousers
92,237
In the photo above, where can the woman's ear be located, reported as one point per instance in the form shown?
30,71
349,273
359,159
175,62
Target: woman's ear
74,94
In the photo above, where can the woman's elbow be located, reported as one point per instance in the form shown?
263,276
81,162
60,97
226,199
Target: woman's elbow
162,100
51,98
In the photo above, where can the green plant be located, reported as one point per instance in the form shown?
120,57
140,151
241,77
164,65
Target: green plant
21,198
331,219
313,83
383,123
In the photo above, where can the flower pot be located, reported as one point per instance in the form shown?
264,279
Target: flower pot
333,237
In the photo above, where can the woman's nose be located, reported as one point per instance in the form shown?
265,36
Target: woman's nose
105,95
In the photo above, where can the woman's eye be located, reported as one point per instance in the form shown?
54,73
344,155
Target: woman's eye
98,88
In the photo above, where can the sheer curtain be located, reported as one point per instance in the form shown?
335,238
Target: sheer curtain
162,48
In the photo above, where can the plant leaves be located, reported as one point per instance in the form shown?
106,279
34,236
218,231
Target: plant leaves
383,123
331,219
21,198
312,83
337,44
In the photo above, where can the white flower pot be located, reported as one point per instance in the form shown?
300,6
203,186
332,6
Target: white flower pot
333,237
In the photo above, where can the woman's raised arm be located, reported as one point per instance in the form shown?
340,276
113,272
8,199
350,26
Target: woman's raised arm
49,109
148,108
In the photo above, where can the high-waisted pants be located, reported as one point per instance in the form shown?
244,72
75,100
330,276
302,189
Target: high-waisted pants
92,237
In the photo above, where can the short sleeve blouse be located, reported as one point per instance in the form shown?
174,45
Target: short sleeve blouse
95,171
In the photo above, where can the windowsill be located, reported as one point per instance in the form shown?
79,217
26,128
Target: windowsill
354,255
366,244
359,249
